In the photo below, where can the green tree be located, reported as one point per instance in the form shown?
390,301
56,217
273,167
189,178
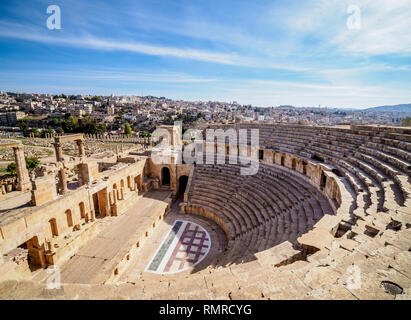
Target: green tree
70,125
127,129
91,126
406,122
24,126
31,165
145,134
55,122
35,131
101,128
12,169
46,131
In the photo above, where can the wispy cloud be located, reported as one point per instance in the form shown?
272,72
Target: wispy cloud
385,29
264,52
106,75
22,32
113,45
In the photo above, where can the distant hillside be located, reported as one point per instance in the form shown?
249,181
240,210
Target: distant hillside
396,108
285,107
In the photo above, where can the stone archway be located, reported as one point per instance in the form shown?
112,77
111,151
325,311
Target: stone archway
323,181
165,176
182,184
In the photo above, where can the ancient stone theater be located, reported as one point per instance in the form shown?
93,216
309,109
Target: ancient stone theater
326,214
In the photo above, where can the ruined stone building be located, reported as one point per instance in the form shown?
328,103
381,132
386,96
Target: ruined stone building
326,215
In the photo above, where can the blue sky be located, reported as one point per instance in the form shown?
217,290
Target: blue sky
260,52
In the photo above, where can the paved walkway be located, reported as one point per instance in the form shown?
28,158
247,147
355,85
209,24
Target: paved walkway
137,271
94,261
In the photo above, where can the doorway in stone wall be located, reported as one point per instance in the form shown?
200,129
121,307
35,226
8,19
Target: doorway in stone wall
165,176
96,206
29,252
323,181
182,185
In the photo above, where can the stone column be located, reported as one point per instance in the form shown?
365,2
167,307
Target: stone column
24,183
81,150
59,151
62,181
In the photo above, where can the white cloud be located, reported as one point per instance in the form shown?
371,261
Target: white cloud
16,31
105,75
105,44
385,29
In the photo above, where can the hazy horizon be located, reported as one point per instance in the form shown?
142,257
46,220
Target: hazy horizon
68,94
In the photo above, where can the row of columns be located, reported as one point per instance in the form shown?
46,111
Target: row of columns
59,157
118,138
8,135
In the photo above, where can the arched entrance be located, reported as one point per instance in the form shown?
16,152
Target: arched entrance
182,184
304,167
165,176
323,181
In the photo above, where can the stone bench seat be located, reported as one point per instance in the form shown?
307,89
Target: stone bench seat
259,211
260,196
372,171
232,211
380,164
228,200
397,136
406,146
266,209
225,201
222,220
300,189
246,205
293,193
220,212
393,160
255,207
274,191
400,154
358,172
217,190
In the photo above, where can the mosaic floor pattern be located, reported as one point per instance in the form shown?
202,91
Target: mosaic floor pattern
185,245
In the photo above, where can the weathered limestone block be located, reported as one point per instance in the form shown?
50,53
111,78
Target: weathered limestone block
44,190
281,254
